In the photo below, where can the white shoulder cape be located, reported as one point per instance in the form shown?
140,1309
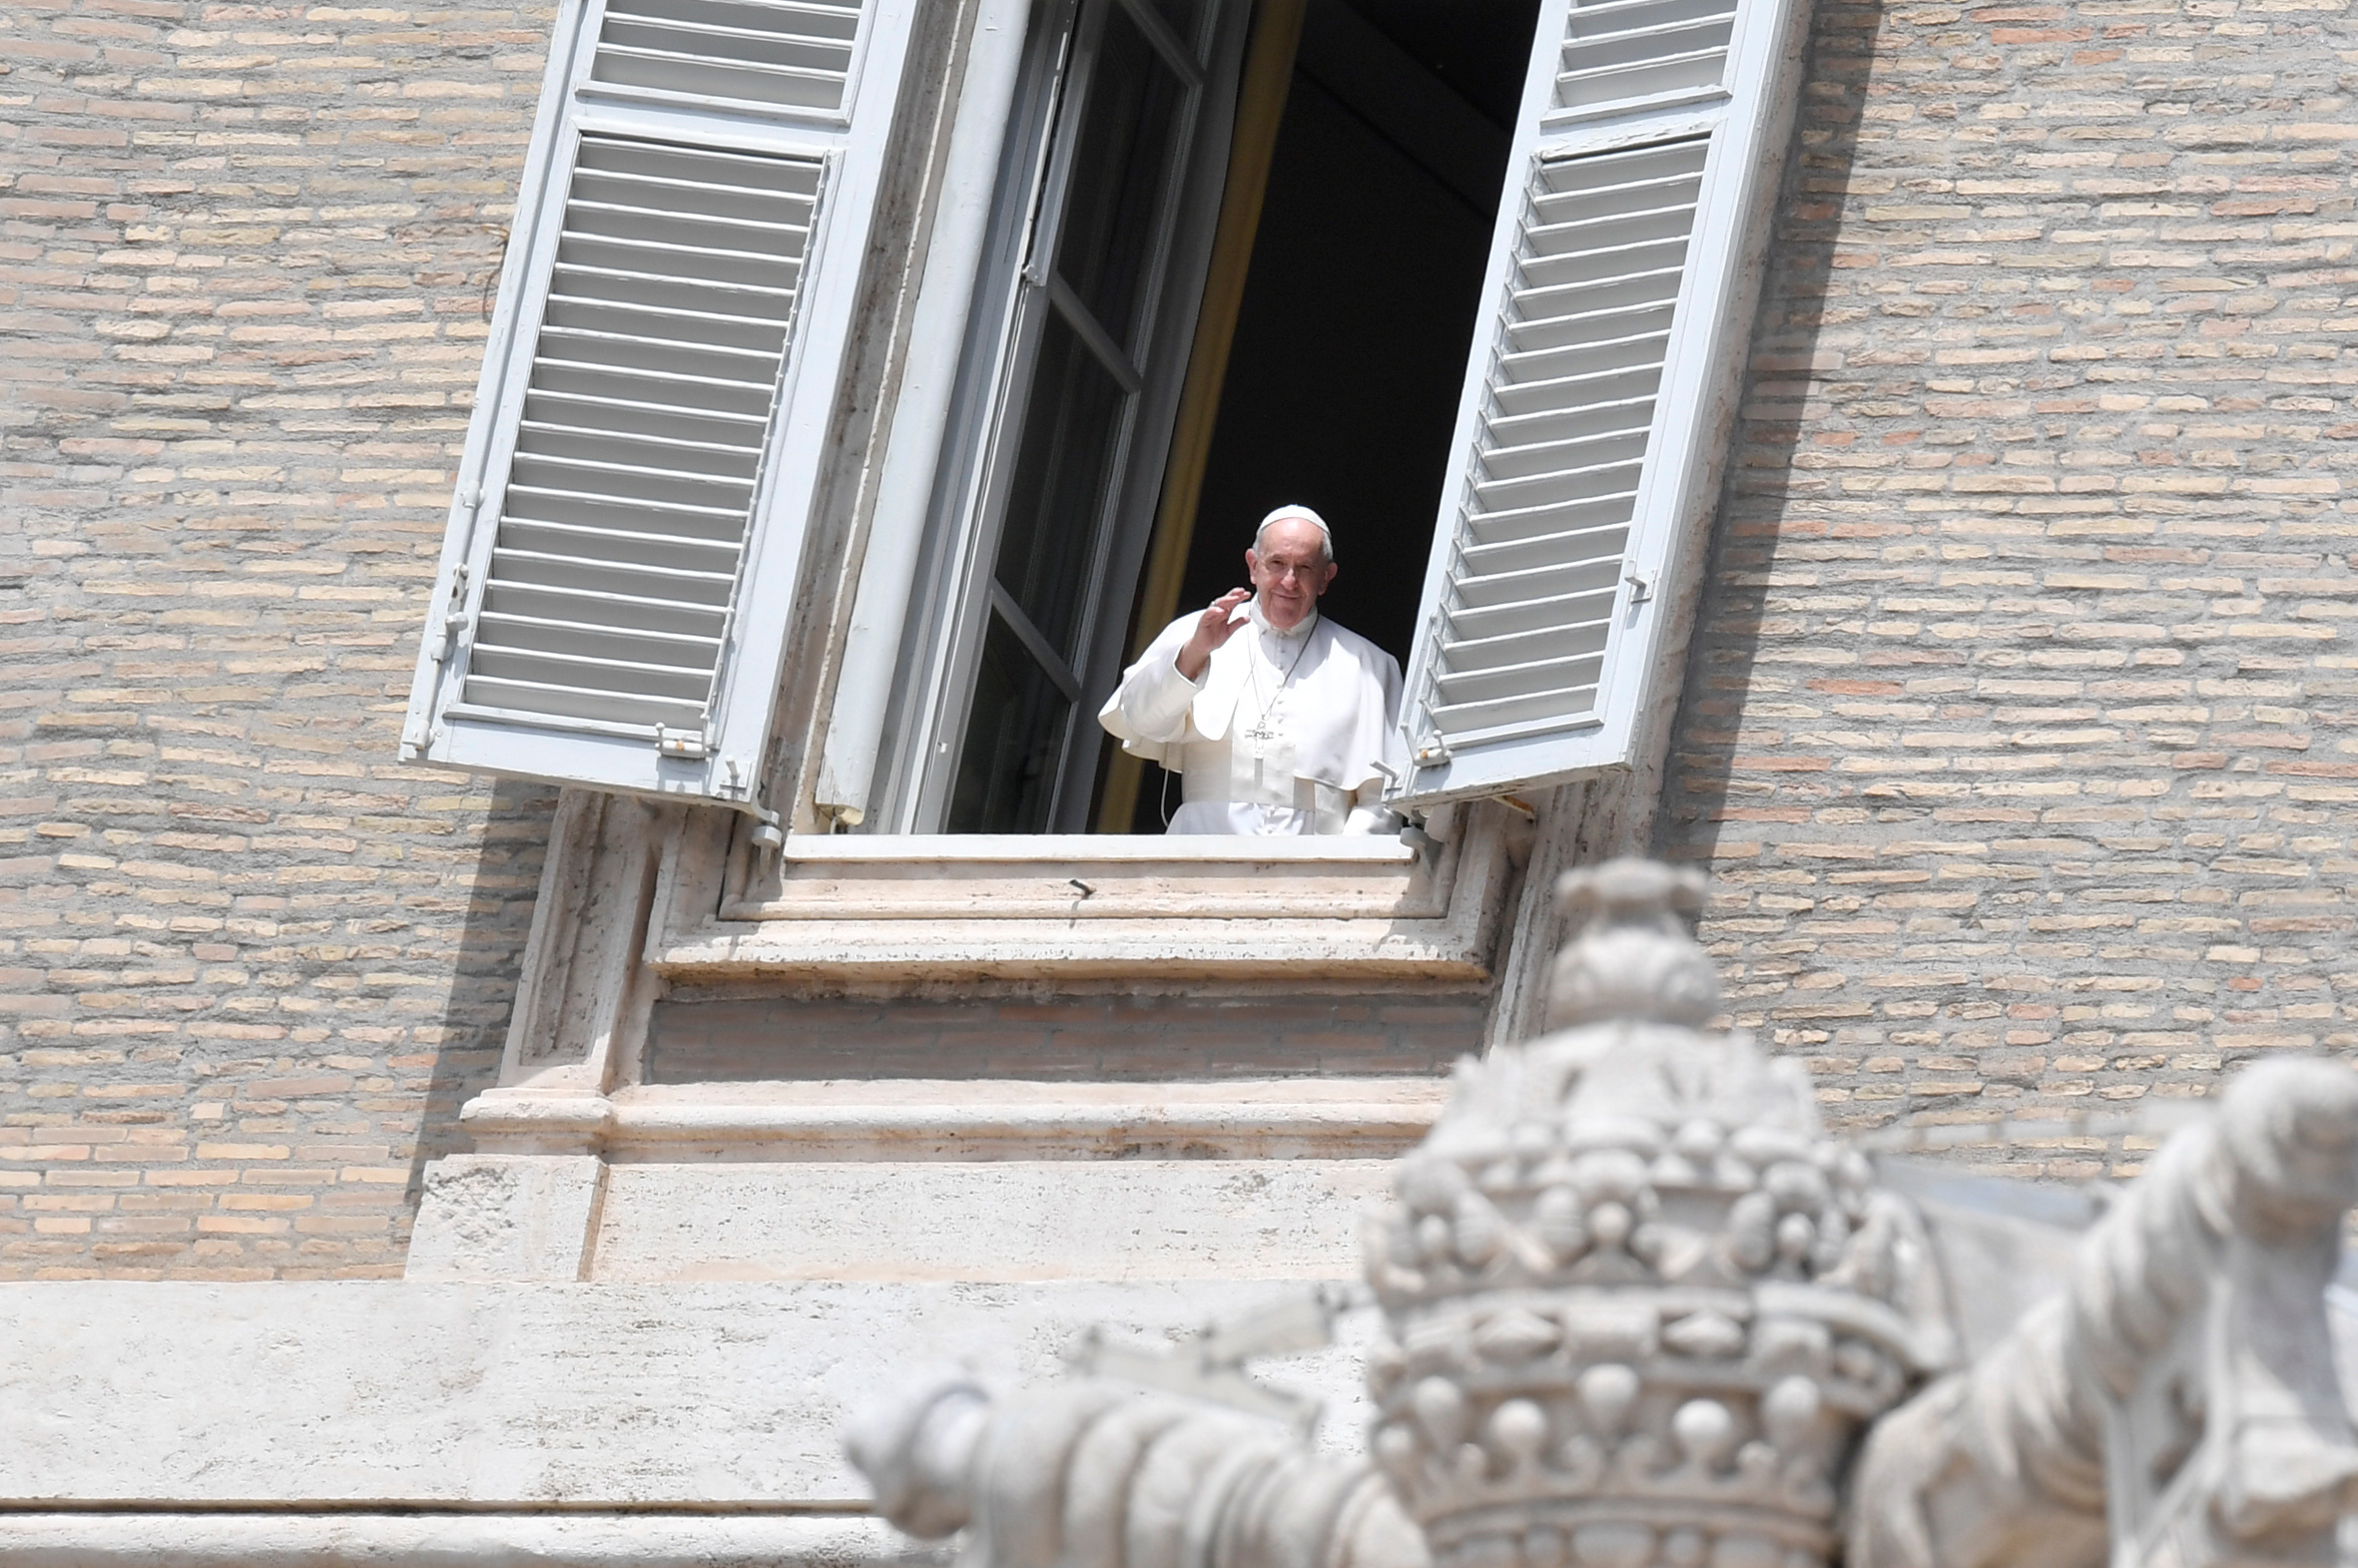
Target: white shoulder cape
1347,707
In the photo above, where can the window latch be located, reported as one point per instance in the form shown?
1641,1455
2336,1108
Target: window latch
1642,587
682,742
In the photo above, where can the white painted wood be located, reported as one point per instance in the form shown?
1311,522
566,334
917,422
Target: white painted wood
921,414
623,549
953,609
1596,395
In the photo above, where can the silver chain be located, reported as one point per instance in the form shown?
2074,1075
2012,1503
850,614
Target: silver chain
1260,722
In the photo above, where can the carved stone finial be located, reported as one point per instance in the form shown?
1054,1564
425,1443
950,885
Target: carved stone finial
1639,1307
917,1453
1638,1301
1631,956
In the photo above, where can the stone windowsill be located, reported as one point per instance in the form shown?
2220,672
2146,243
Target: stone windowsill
886,909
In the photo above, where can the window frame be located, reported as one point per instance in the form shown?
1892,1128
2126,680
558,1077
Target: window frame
936,663
1746,114
1756,101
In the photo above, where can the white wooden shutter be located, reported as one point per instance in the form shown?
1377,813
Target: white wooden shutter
1601,386
623,547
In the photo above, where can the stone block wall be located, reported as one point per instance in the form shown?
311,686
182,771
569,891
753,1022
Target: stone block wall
248,966
1102,1033
2020,735
2022,730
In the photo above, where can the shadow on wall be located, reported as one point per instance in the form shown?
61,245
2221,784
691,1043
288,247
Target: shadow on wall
1762,485
501,893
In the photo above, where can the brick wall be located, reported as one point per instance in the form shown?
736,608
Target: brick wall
2019,731
249,967
2022,733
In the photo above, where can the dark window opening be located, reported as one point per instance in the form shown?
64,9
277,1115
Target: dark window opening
1352,337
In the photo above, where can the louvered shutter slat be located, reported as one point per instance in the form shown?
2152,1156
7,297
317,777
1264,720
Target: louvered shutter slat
1578,423
1628,54
618,577
654,367
1563,443
598,706
730,50
580,409
684,393
610,544
608,514
552,605
1505,555
575,637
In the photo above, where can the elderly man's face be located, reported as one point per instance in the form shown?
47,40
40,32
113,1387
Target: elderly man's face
1289,571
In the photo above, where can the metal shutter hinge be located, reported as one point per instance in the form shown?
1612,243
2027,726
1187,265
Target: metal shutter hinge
1642,587
768,834
445,631
1432,754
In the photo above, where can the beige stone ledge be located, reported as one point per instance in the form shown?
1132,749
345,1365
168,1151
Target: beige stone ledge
923,1119
1096,876
285,1538
488,1216
883,910
391,1396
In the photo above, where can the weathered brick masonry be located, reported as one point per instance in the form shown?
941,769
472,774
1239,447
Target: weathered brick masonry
2023,732
243,959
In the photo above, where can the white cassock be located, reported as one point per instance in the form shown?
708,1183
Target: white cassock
1280,735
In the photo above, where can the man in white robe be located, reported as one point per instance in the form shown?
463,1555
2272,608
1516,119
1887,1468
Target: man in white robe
1274,717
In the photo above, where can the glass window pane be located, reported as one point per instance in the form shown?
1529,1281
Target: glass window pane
1007,772
1184,16
1063,463
1118,166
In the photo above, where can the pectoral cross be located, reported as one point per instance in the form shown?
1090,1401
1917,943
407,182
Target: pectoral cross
1257,743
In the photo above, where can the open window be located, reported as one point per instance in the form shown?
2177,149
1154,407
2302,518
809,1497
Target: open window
1470,279
1472,285
1077,350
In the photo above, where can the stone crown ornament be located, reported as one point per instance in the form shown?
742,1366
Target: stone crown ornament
1640,1311
1639,1304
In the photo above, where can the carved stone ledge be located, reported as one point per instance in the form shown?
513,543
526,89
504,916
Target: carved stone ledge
870,910
616,1539
964,1120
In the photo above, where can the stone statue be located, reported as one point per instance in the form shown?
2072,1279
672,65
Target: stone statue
1641,1310
2178,1402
